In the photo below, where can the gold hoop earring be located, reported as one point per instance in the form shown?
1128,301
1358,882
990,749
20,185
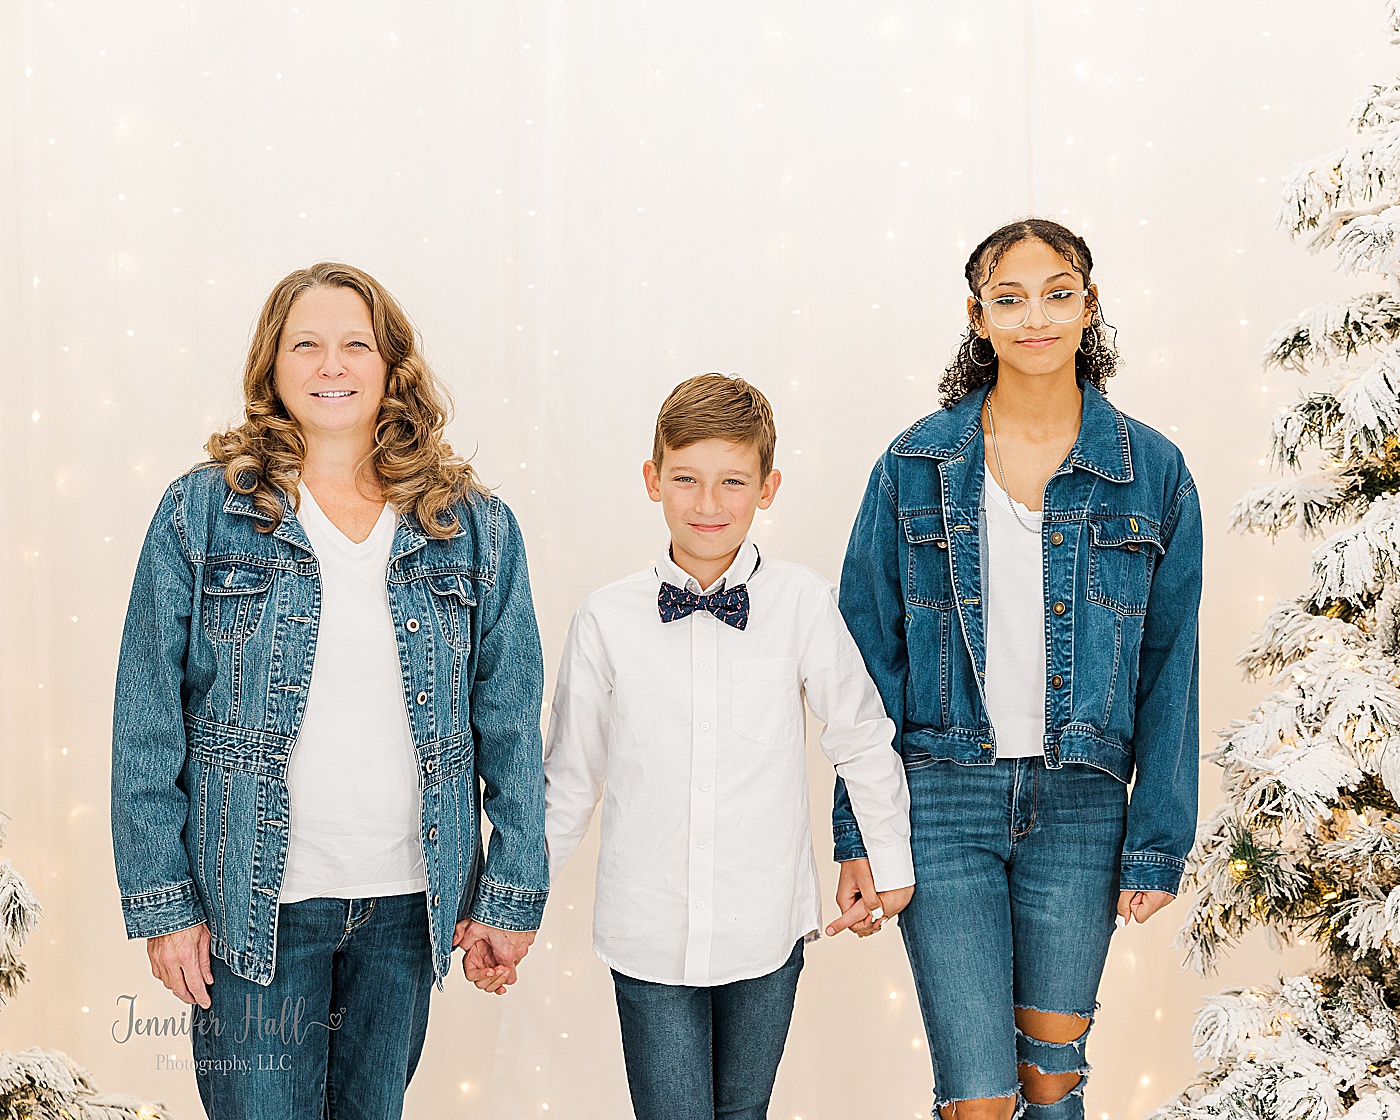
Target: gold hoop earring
972,352
1091,331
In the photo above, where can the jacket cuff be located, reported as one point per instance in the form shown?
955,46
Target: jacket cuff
165,911
1150,871
892,867
849,844
503,907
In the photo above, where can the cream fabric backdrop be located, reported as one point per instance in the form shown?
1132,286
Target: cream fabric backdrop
582,204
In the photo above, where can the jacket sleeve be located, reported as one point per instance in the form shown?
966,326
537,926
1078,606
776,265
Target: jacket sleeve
150,805
1166,735
872,603
506,696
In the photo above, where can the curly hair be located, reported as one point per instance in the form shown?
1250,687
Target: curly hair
975,363
417,470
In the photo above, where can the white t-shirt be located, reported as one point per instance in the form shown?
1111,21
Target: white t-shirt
353,774
1015,599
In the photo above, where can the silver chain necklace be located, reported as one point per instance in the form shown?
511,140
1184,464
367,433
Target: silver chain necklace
996,451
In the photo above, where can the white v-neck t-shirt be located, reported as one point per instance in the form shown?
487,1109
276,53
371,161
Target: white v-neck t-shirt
353,777
1015,616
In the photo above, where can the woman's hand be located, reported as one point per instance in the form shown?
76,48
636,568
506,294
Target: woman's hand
1140,905
180,961
858,899
490,955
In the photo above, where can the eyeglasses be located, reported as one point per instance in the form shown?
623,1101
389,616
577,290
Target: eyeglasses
1063,305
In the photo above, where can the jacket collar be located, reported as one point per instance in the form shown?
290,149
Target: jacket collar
1102,446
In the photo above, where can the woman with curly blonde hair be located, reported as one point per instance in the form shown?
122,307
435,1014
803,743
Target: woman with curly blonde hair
330,639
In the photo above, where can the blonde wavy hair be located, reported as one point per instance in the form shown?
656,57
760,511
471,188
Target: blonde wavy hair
416,468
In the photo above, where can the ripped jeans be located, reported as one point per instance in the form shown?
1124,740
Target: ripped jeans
1016,869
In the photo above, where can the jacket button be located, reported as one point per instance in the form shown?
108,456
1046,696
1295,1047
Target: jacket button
422,697
1058,608
432,833
1057,537
429,766
411,626
1057,681
1132,546
942,544
436,899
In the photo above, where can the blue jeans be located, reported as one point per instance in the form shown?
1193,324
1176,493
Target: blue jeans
1016,888
338,1032
705,1053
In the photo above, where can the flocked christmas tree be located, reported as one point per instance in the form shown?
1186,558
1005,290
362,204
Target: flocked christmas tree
1307,843
45,1084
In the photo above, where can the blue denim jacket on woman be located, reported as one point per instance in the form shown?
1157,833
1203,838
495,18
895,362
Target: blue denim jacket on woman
212,682
1121,539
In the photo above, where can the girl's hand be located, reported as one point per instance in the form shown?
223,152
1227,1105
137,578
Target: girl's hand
1140,905
892,902
857,897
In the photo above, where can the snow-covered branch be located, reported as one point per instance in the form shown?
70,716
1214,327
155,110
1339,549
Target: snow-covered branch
1334,330
1328,193
1310,501
1351,563
1309,419
1289,633
1366,242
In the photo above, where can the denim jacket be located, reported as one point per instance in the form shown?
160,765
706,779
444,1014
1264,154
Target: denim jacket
1121,540
212,681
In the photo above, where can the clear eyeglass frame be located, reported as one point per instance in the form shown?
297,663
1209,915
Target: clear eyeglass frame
1047,302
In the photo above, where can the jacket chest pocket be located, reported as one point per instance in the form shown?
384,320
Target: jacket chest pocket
930,577
765,698
1123,552
453,602
234,596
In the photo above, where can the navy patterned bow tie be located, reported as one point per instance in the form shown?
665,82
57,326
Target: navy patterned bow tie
730,606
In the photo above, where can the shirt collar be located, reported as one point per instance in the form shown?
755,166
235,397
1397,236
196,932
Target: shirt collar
740,571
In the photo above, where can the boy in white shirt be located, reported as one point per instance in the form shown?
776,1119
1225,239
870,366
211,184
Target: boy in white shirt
679,704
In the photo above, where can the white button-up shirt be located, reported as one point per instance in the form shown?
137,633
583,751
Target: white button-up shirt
692,734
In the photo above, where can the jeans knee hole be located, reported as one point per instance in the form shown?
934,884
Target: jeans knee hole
1036,1092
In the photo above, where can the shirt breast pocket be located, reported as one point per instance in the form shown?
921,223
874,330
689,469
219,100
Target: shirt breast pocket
930,569
765,698
452,604
234,594
1123,553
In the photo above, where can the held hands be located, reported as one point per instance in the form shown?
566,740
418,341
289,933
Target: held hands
1140,905
180,961
490,955
858,899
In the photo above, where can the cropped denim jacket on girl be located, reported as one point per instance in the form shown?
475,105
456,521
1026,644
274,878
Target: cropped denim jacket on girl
1121,540
212,682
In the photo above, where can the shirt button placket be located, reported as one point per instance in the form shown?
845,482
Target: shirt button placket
704,659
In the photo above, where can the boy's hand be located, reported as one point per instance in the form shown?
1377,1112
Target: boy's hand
858,899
